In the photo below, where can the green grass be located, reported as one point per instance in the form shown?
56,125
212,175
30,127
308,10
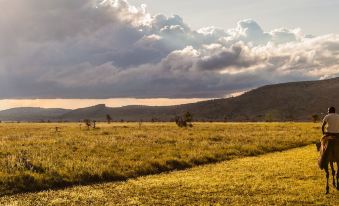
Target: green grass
283,178
35,157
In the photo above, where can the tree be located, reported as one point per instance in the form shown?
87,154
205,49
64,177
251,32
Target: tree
108,118
315,118
184,120
180,121
188,117
87,123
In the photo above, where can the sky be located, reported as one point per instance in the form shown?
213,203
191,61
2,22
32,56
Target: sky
315,17
83,52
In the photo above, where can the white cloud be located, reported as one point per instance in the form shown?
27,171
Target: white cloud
103,49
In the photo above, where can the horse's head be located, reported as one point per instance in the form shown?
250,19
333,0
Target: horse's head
318,145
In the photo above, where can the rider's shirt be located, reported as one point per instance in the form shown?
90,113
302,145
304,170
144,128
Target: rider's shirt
332,121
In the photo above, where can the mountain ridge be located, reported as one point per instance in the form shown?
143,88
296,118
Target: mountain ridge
293,101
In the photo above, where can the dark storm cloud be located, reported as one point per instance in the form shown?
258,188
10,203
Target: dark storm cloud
103,49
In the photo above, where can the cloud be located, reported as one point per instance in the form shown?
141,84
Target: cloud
111,49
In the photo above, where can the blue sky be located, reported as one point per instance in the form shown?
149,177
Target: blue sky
170,52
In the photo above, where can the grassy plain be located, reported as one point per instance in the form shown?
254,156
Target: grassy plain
282,178
35,157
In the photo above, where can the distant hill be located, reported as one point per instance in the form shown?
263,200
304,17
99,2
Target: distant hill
296,101
31,114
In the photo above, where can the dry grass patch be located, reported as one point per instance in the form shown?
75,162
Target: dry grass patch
35,157
283,178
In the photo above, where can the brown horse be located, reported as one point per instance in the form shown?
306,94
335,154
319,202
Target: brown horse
329,154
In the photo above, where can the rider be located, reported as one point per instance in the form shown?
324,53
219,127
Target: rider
332,121
332,131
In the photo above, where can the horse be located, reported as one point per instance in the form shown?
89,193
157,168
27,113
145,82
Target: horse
329,154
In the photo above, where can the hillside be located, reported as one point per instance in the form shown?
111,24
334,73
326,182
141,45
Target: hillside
295,101
31,114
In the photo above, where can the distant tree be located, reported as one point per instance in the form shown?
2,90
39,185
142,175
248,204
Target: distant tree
315,118
108,118
184,120
87,123
188,118
180,121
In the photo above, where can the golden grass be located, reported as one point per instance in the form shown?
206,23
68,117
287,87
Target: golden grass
35,157
283,178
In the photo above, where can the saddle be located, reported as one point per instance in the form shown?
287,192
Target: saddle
326,141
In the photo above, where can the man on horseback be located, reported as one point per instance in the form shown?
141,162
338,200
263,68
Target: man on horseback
329,145
332,132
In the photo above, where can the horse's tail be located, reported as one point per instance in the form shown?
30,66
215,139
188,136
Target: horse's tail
323,159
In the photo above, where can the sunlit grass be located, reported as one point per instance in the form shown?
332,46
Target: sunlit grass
35,156
284,178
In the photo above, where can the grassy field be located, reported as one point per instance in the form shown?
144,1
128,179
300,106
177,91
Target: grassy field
35,157
283,178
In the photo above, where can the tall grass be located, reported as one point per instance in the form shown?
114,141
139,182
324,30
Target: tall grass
36,157
285,178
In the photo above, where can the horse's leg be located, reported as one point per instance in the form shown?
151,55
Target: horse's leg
337,175
327,177
333,173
